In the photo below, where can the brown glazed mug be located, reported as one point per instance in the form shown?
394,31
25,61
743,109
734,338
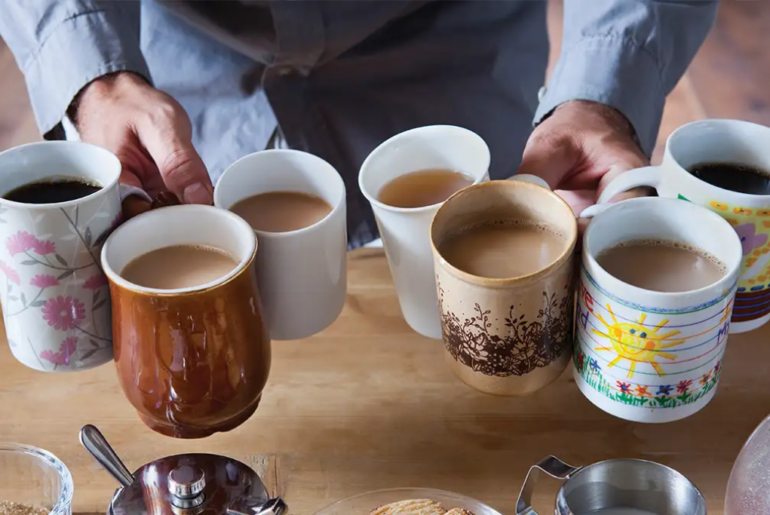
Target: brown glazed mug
192,361
509,336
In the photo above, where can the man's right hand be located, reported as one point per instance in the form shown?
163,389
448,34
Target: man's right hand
149,132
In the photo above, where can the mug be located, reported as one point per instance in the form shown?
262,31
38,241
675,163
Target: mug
508,336
53,292
302,274
192,361
726,141
628,486
405,232
644,355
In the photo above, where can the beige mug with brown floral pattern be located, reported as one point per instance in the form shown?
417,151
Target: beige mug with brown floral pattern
507,335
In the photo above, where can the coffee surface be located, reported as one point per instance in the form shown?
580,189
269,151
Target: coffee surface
53,190
282,211
734,177
503,249
661,266
423,188
182,266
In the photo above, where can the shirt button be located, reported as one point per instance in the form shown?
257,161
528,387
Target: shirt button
541,93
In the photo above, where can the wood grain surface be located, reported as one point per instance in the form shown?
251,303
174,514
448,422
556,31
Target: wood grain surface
369,404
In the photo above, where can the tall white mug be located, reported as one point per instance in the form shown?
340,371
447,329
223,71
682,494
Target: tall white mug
405,232
301,274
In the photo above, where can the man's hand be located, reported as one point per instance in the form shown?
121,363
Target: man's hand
149,132
580,149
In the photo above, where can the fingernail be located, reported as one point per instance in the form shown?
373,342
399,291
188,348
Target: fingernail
197,194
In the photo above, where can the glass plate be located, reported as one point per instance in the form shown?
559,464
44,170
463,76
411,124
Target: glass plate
364,504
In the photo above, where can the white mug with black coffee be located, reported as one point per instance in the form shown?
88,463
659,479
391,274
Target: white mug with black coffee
723,165
58,203
295,202
406,179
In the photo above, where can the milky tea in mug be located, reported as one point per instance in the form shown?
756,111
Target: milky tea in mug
657,286
503,253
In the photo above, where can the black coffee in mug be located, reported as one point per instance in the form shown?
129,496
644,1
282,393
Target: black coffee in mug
734,177
52,190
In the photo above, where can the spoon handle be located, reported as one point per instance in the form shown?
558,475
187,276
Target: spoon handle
95,443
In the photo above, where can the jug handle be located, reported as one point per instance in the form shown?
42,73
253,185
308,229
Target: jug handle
552,466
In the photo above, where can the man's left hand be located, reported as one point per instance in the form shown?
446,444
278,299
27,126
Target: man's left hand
580,149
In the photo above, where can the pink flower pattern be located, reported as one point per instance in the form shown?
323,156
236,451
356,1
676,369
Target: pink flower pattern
44,247
67,348
22,241
10,273
63,313
44,281
95,282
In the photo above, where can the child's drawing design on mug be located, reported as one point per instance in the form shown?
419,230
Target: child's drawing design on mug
637,342
647,357
753,228
522,347
671,395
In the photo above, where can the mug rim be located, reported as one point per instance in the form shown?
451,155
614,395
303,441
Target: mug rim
104,190
507,281
636,460
243,264
591,264
339,205
403,135
720,122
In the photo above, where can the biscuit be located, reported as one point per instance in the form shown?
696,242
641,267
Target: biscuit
459,511
411,507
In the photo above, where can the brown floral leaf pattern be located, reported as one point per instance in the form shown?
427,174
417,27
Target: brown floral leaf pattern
527,345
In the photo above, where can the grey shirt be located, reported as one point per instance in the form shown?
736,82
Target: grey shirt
339,77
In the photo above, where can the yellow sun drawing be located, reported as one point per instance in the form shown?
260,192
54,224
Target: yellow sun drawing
637,343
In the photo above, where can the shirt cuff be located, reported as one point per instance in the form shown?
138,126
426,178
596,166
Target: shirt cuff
81,49
615,72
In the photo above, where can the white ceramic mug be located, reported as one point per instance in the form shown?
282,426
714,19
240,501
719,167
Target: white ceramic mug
55,299
724,141
405,232
302,274
644,355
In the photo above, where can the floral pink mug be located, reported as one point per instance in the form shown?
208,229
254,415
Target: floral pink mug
55,299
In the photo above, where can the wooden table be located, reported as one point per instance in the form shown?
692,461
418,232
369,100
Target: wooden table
369,404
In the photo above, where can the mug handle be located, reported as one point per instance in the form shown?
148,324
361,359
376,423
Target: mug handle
534,179
649,176
552,466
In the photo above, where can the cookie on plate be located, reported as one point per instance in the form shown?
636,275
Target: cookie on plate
459,511
411,507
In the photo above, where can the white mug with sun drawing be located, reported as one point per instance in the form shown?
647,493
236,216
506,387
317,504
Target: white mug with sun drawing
653,356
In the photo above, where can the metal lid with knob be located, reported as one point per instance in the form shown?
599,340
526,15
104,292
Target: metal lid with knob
185,484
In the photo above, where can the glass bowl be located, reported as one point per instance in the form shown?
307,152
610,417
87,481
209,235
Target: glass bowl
364,504
34,477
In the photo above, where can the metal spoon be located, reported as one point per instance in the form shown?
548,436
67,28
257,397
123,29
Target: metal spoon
95,443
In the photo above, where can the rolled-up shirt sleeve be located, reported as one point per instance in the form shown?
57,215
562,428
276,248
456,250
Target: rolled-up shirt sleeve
628,54
62,45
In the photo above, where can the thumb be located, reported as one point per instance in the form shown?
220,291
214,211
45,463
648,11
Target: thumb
169,143
549,157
